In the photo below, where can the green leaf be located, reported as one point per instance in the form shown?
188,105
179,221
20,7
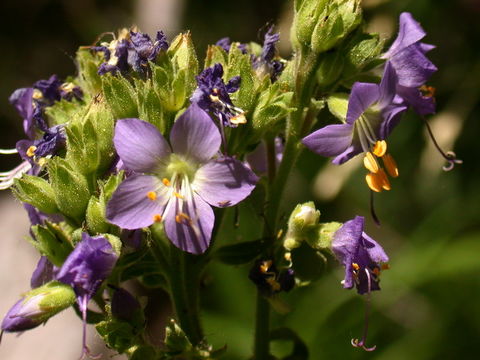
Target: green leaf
37,192
54,248
300,349
89,79
120,96
338,105
360,51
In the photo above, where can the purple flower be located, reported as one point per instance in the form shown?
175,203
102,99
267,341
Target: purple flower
269,280
144,50
212,95
44,273
225,43
371,116
413,68
176,183
87,266
268,62
360,255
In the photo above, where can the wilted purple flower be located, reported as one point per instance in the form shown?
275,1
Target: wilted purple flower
413,68
371,116
268,62
176,187
144,49
212,95
225,43
363,259
87,266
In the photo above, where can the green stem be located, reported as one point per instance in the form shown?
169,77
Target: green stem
262,329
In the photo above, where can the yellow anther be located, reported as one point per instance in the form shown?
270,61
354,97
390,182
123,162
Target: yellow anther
288,256
152,195
182,216
280,233
390,165
355,266
42,161
166,182
31,151
373,182
376,271
178,195
157,217
67,87
380,148
385,266
239,119
383,179
265,266
37,94
214,98
274,284
215,91
427,91
370,162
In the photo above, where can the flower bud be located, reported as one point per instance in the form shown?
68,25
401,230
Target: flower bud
36,191
301,225
37,306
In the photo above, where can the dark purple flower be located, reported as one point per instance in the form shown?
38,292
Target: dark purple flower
212,95
49,89
22,100
371,116
361,256
144,49
176,183
87,266
407,55
116,54
269,280
268,62
225,43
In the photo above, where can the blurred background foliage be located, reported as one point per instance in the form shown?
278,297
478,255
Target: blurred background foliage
428,307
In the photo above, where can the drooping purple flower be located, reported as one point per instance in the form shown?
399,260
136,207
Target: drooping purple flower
49,88
407,55
361,256
371,116
85,269
176,183
22,100
268,62
363,259
43,273
212,95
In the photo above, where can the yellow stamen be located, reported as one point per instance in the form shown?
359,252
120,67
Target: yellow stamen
214,98
178,195
370,162
182,216
239,119
383,179
31,151
390,165
37,94
288,256
427,91
42,161
380,148
152,195
166,182
280,233
274,284
157,217
373,182
265,266
385,266
376,271
355,266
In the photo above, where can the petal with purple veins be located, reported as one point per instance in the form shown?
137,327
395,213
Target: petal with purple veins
189,224
140,145
224,182
131,207
195,135
330,140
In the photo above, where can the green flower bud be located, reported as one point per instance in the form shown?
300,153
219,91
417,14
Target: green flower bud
325,233
36,191
55,248
175,338
330,68
302,225
89,80
95,216
37,306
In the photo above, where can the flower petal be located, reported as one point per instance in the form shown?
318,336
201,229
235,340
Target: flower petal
195,135
392,116
189,224
412,66
131,208
387,87
409,33
330,140
361,97
374,250
140,145
224,182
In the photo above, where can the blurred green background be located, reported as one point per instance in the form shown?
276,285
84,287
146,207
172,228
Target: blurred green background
428,307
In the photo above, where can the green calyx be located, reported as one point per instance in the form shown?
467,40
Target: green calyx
180,166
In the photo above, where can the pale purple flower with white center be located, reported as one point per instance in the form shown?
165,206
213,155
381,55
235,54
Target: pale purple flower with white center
407,55
85,269
176,183
371,116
